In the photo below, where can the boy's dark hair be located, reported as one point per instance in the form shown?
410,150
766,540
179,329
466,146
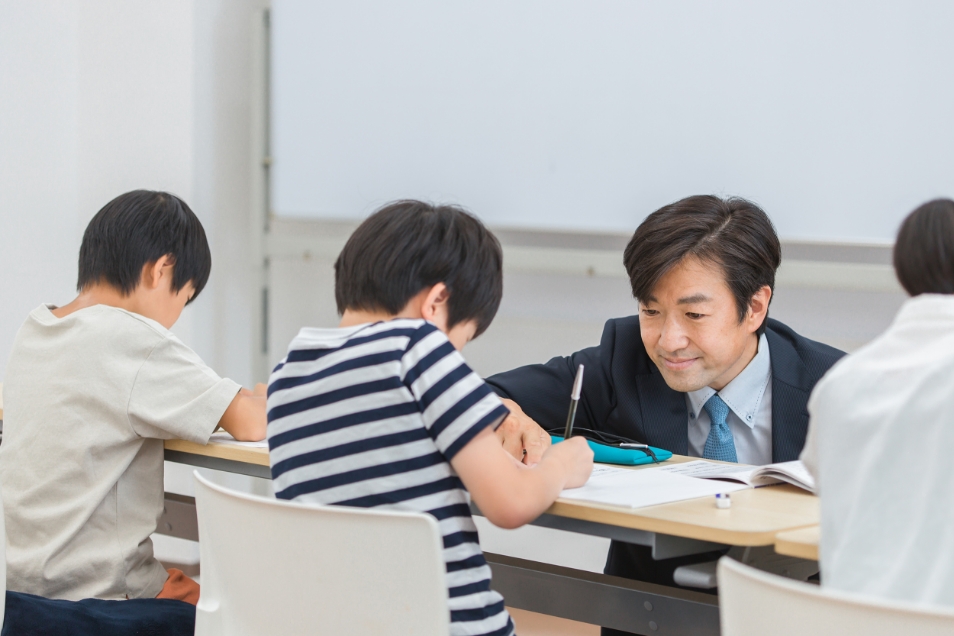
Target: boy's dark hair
138,228
733,233
924,251
408,246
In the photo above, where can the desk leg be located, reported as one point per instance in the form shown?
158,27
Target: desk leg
599,599
179,518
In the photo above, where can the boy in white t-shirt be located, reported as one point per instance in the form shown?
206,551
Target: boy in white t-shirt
91,390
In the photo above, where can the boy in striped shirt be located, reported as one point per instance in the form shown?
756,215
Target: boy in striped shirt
383,411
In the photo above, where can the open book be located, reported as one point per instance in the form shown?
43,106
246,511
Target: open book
793,473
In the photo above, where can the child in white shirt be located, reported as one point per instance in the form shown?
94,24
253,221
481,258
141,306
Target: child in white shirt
881,434
92,388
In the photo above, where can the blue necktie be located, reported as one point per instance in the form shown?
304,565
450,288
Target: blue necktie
719,444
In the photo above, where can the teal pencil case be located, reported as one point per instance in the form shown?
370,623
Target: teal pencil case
604,454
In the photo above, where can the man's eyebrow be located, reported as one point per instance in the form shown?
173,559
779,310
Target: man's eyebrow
691,300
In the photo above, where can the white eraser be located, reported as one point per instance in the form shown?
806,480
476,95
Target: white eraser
723,501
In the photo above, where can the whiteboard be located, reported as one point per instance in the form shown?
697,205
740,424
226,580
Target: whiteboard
836,116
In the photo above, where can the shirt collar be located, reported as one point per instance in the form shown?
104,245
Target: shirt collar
744,393
926,306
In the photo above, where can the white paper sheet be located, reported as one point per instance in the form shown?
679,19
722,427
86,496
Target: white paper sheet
649,487
224,438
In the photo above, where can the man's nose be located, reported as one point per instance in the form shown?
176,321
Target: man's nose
672,337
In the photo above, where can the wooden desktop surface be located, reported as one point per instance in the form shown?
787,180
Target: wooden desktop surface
755,518
231,452
802,543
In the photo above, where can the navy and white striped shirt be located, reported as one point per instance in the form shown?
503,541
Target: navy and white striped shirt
370,416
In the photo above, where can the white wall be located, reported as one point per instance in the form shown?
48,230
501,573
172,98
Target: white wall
39,216
98,97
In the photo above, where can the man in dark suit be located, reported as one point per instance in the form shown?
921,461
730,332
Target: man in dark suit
700,371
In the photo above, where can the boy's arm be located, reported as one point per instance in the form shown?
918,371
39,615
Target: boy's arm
245,418
511,494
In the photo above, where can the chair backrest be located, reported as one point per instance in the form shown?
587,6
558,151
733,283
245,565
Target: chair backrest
756,603
280,567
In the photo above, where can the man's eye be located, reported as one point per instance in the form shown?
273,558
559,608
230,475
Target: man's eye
694,316
651,312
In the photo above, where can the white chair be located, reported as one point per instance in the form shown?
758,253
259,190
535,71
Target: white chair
755,603
280,567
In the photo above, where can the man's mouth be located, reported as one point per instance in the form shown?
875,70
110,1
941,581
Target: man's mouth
677,364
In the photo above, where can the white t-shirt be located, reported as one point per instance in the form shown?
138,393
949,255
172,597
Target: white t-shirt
88,399
880,445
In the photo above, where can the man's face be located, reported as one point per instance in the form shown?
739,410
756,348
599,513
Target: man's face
690,327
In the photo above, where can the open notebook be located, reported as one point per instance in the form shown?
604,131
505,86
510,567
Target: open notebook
793,473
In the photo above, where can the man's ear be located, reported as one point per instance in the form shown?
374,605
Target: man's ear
434,305
758,307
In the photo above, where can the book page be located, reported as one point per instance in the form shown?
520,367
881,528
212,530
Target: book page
704,469
793,472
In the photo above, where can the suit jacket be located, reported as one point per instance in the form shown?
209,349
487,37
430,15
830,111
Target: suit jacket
624,392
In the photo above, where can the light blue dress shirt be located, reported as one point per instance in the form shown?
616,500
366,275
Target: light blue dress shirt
749,397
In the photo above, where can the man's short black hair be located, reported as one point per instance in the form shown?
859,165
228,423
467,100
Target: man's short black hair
734,234
138,228
924,251
408,246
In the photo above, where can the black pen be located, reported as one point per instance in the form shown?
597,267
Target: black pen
574,402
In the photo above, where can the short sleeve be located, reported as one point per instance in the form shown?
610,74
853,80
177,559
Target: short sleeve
455,403
175,395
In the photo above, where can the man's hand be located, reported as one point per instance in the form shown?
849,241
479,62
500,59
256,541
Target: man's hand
521,436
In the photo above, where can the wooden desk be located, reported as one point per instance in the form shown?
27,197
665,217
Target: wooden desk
755,518
801,543
230,458
675,529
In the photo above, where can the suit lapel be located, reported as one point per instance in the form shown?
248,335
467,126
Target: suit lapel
665,418
791,387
